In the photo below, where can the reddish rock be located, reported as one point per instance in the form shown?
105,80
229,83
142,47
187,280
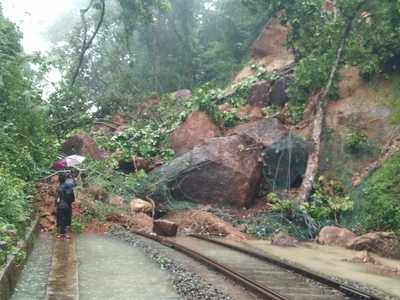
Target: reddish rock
256,113
226,170
335,236
196,130
138,222
271,41
82,144
251,113
203,222
140,206
383,243
260,94
265,132
165,228
283,240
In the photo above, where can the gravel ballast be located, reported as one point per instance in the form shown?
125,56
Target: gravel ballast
188,285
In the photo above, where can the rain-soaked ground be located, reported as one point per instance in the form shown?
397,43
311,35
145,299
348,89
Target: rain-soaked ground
33,281
110,269
336,262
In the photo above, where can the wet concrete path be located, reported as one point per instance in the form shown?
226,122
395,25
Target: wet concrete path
63,280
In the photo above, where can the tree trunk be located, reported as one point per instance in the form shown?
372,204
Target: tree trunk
319,120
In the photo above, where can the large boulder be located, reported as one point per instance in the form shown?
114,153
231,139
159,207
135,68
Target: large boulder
278,95
226,170
285,155
269,50
196,130
265,92
165,228
260,94
82,144
271,41
383,243
285,162
335,236
266,132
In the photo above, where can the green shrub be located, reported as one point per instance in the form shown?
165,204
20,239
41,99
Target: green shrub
230,118
13,205
380,207
357,143
328,201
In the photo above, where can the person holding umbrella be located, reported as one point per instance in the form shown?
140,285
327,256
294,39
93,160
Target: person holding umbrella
64,199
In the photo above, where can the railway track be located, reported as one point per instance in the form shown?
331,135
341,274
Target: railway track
264,276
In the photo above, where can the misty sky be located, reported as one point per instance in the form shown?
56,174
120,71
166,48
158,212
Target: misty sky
34,17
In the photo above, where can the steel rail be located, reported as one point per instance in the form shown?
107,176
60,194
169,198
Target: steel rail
263,291
347,290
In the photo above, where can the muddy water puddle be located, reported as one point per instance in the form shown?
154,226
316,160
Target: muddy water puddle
111,269
33,281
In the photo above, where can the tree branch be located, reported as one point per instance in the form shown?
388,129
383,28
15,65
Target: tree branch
86,44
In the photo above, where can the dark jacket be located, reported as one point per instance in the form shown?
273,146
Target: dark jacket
65,195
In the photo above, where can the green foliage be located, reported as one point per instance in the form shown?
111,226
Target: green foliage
26,147
13,206
328,201
76,225
357,142
7,240
380,206
103,210
265,225
230,118
148,141
394,100
296,111
205,99
287,216
310,74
